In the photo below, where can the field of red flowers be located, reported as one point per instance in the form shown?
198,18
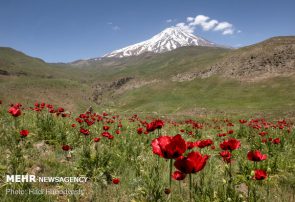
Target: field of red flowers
145,158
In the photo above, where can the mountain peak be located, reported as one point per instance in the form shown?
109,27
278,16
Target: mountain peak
167,40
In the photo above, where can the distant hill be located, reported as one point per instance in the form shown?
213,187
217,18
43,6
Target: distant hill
27,79
270,58
191,79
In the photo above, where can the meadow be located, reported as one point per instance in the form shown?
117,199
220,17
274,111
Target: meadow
146,157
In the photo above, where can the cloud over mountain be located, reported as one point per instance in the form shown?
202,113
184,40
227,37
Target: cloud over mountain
207,24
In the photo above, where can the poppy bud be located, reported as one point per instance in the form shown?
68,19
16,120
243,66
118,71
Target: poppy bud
167,191
116,180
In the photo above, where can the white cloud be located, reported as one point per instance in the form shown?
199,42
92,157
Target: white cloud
207,24
223,26
185,27
201,19
190,19
171,20
228,32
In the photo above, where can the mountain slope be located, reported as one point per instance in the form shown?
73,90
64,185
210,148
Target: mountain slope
146,82
167,40
267,59
27,79
273,57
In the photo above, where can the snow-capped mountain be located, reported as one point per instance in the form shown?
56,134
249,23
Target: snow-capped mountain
167,40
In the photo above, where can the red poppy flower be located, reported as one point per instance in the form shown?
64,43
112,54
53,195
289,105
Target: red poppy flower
66,147
105,114
158,124
204,143
118,132
116,180
106,127
150,127
73,125
256,156
230,132
177,175
260,174
194,162
96,139
139,131
242,121
84,131
276,141
79,120
15,111
190,145
169,147
49,106
226,156
221,134
263,133
231,144
230,124
89,123
105,134
263,140
110,137
24,133
60,109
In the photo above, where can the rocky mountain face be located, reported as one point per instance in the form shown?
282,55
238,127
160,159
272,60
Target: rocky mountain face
101,89
273,57
167,40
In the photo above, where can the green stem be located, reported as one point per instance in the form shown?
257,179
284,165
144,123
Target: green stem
170,178
15,122
170,173
190,187
180,191
267,197
254,192
158,165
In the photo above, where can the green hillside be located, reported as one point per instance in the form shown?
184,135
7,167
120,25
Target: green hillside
145,83
25,79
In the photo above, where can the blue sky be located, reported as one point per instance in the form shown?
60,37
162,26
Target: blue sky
67,30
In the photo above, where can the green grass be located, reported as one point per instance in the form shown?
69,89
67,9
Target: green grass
129,157
73,85
212,93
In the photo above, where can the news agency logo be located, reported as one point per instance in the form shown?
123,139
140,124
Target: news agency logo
33,178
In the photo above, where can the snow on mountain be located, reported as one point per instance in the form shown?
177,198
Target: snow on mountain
167,40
